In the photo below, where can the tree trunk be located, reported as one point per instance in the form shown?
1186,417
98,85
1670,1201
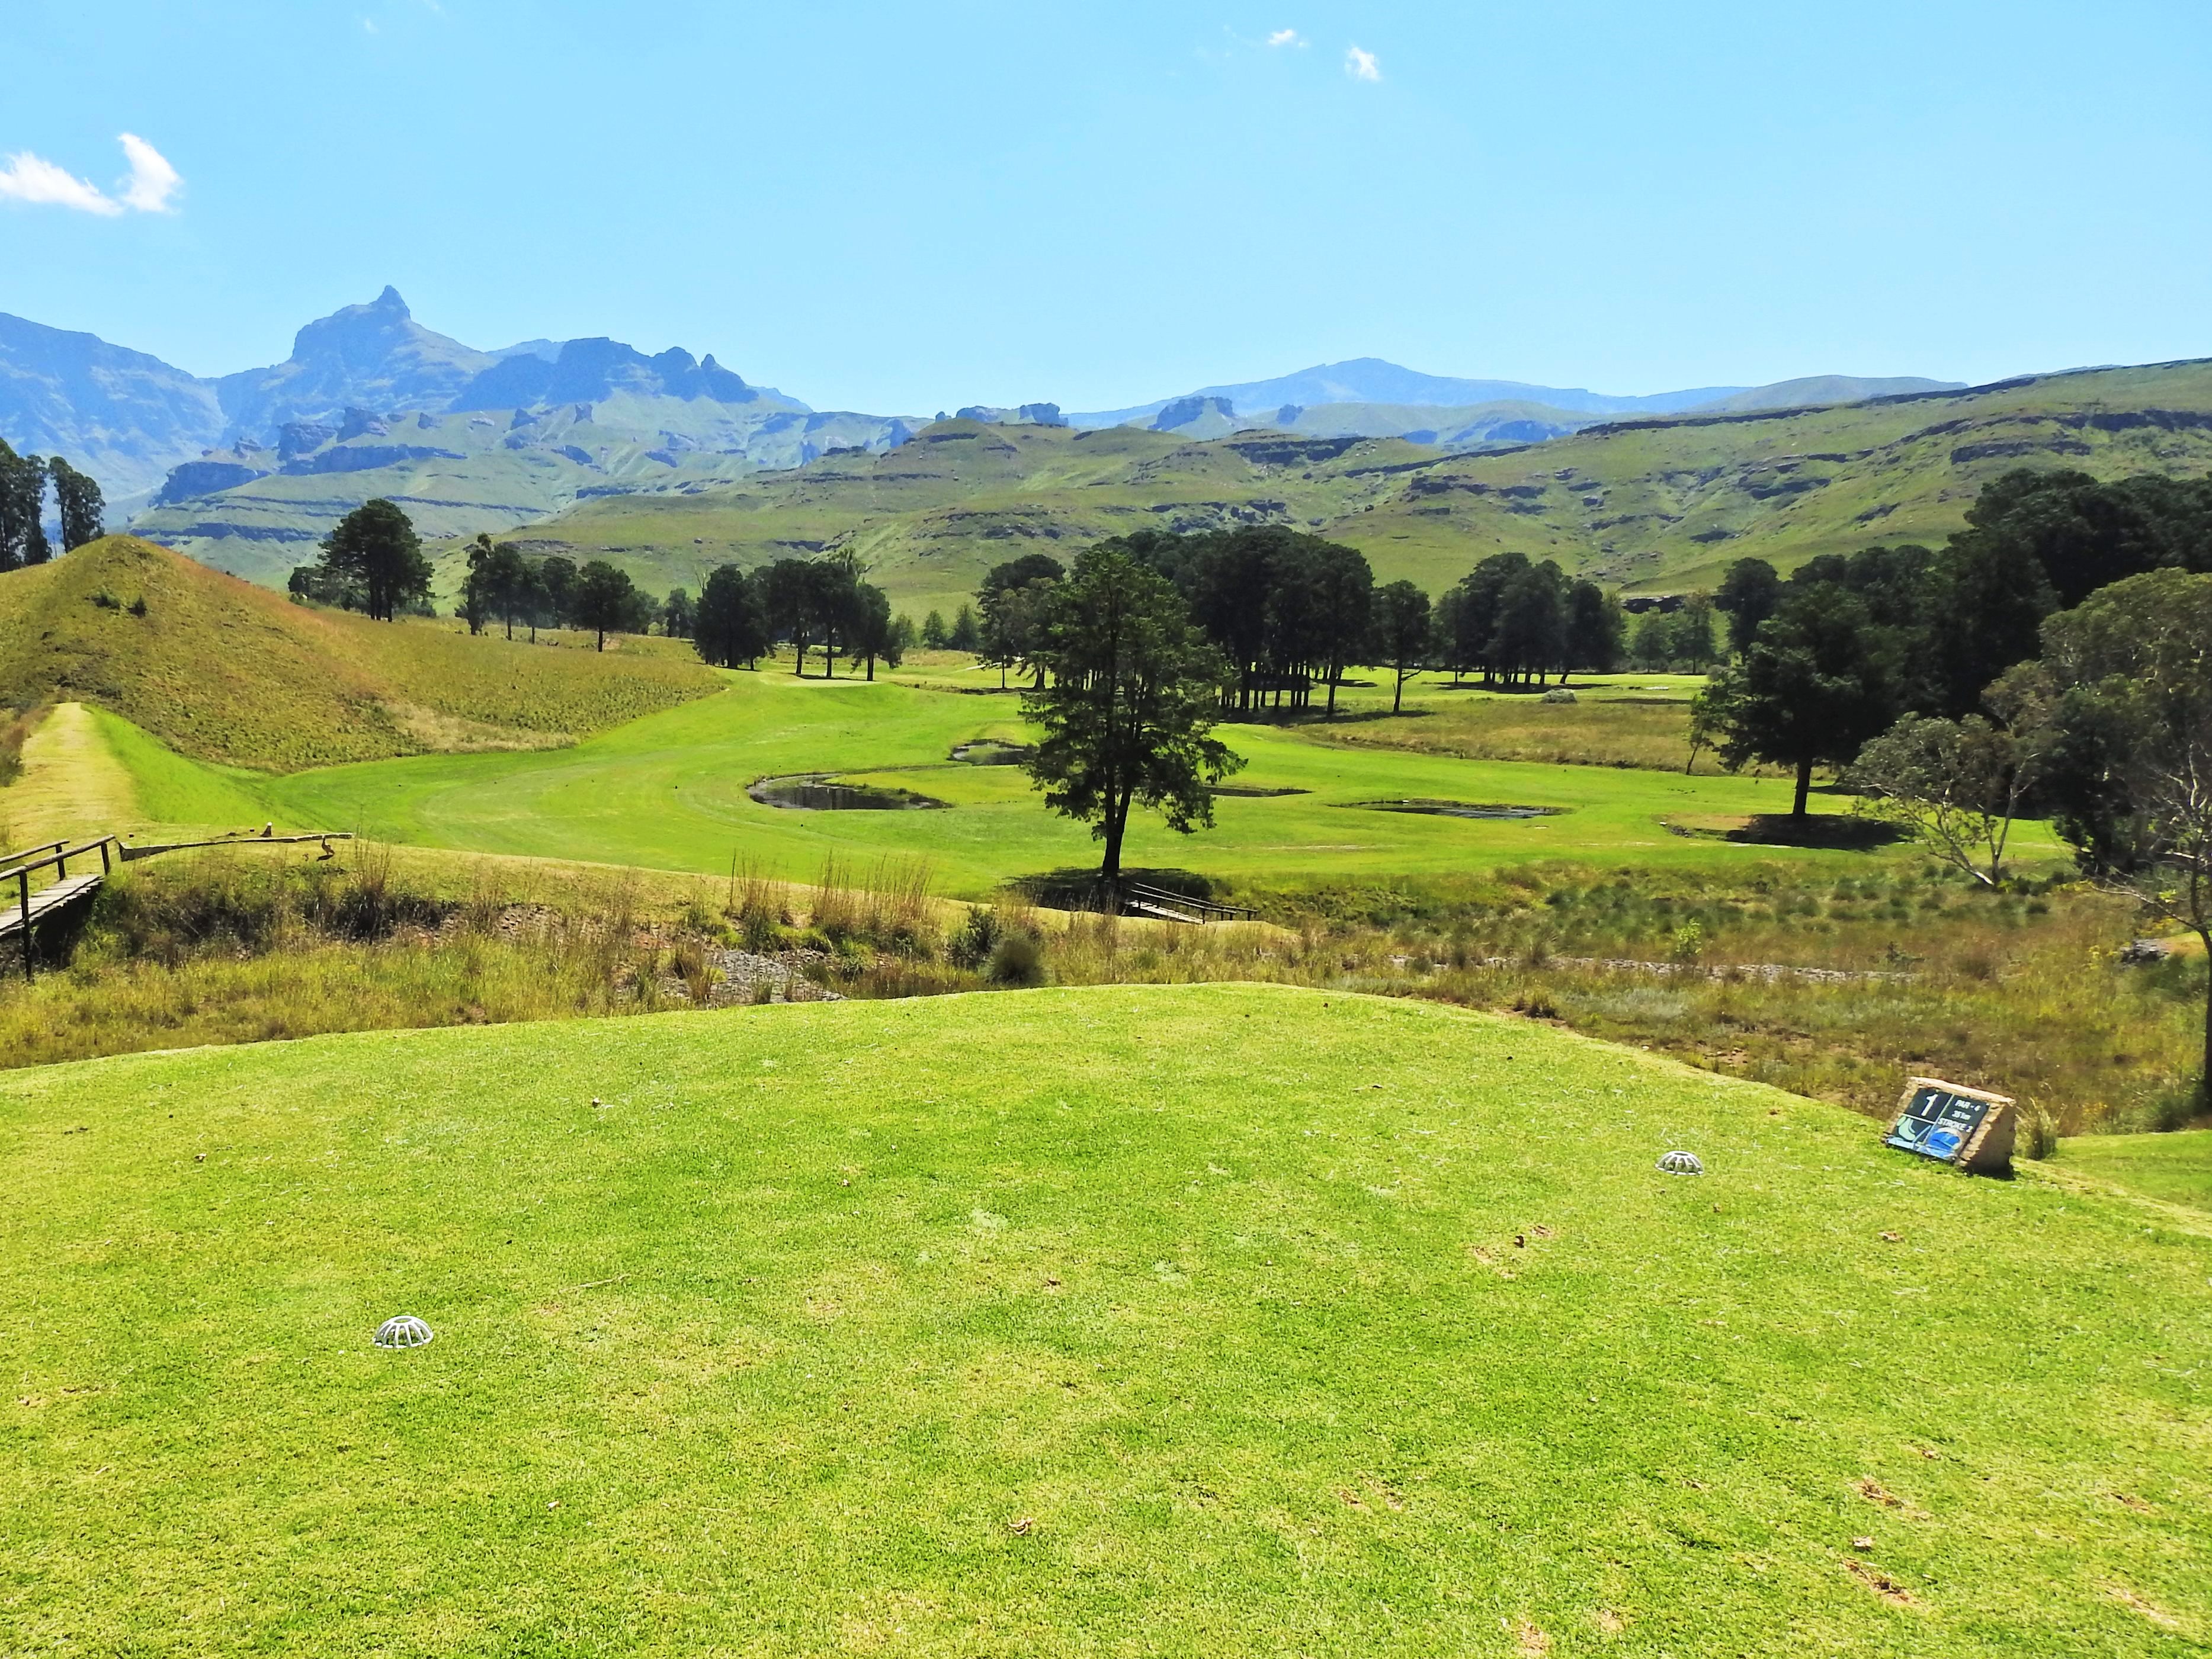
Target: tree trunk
1804,788
603,638
1333,674
1398,693
1117,820
2204,1077
871,668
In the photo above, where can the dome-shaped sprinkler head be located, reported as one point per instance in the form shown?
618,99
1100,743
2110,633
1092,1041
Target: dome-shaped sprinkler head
1681,1163
405,1332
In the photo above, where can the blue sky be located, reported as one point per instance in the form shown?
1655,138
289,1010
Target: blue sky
903,208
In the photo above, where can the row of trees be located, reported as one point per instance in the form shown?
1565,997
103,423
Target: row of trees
810,604
1289,612
554,591
1835,655
23,480
373,562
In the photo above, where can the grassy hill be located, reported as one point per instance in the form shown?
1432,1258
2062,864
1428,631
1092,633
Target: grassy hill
931,516
1652,507
1666,506
257,512
222,670
1219,1319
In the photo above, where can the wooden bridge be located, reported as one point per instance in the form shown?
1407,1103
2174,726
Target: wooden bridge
1139,899
34,905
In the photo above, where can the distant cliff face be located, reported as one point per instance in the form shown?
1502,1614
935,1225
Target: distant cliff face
121,415
372,357
249,471
589,371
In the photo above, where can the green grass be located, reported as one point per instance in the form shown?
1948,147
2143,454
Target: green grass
1220,1319
669,791
2175,1167
173,792
224,672
1616,719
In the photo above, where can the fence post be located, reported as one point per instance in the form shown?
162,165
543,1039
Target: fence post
104,866
23,892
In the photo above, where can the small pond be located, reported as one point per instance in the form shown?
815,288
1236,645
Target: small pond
989,752
820,791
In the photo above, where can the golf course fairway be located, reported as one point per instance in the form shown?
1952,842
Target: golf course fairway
1213,1319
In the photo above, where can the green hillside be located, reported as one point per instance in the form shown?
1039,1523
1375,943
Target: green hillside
1652,505
263,510
1666,506
1213,1319
223,671
931,516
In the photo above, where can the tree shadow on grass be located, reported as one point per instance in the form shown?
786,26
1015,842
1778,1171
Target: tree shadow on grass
1827,831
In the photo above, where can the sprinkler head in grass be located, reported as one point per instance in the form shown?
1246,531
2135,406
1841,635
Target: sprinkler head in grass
405,1332
1679,1162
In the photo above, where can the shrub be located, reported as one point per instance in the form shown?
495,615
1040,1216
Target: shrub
1017,959
971,946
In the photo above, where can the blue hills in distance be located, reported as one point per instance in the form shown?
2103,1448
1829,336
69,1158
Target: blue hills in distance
1375,380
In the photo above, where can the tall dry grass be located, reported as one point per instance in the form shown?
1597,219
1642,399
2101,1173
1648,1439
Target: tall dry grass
1910,971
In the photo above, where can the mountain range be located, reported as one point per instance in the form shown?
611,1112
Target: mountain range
248,470
1654,504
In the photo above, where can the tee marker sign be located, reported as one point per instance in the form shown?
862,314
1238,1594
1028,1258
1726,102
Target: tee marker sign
1972,1128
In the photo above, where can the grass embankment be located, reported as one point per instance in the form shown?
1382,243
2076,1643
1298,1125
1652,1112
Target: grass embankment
245,942
1836,990
68,781
1618,719
1225,1319
224,672
2176,1168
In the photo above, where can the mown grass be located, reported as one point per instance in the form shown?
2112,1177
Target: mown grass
2177,1168
224,672
670,792
1639,721
1222,1319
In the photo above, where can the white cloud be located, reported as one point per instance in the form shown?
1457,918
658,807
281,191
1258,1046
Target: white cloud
27,178
153,181
1361,66
1286,38
33,179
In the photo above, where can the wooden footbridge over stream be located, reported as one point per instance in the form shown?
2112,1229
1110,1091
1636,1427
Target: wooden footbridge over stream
41,901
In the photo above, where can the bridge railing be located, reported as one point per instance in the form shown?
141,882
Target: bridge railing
54,856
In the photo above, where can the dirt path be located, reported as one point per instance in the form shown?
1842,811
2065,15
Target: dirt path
71,785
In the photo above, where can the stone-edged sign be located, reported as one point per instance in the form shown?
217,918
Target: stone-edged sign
1972,1128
